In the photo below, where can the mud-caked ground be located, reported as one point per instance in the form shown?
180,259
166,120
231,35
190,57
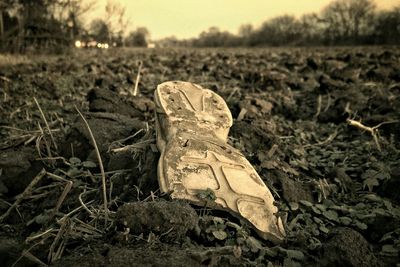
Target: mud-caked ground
320,125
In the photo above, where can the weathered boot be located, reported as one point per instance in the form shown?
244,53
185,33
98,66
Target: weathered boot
198,165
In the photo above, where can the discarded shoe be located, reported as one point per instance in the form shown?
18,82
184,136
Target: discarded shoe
198,165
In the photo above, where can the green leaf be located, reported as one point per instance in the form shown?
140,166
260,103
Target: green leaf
89,164
361,225
74,161
42,218
389,250
382,176
253,244
295,254
386,237
373,198
323,229
316,210
370,183
73,172
294,206
331,215
218,221
314,243
220,234
318,220
321,207
306,203
345,220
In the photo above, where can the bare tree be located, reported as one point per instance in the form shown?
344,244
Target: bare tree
348,19
73,11
311,29
115,19
281,30
387,27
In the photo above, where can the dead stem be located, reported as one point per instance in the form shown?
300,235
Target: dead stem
103,176
63,229
135,90
24,194
67,188
32,238
232,94
72,212
241,115
83,204
328,104
48,148
46,123
372,130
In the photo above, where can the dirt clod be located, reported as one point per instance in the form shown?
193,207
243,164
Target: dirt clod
106,128
171,220
105,100
347,247
18,169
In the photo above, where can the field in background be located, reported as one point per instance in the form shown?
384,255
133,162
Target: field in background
320,125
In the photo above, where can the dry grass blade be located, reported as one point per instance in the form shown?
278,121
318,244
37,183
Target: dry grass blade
232,94
135,90
27,192
319,104
45,233
83,204
47,124
103,175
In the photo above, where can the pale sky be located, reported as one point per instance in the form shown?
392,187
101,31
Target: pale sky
188,18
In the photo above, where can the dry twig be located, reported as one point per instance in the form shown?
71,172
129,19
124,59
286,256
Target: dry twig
47,124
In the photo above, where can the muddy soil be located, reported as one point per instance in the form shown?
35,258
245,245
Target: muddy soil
320,125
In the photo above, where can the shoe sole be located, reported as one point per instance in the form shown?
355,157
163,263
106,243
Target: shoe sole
197,164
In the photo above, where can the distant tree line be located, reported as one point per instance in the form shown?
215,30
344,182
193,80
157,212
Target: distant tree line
342,22
49,24
40,23
56,24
